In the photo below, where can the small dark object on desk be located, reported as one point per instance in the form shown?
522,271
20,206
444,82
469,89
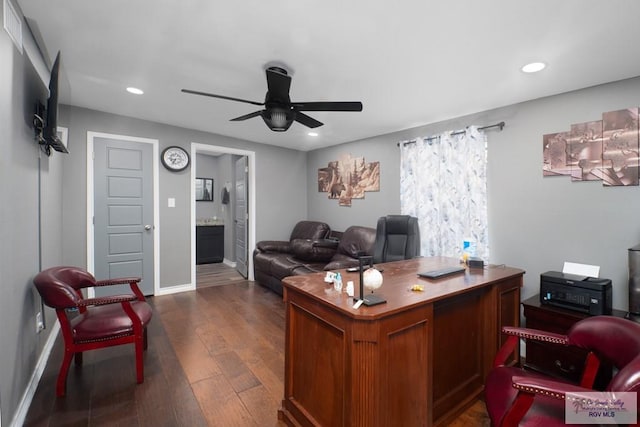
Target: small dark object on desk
475,262
371,299
441,272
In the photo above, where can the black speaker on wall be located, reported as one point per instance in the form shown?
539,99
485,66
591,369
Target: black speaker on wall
634,283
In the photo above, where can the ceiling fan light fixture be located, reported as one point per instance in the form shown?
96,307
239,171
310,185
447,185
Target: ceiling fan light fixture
278,119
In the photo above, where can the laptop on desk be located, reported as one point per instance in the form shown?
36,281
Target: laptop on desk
442,272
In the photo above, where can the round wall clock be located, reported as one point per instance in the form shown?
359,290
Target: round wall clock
175,158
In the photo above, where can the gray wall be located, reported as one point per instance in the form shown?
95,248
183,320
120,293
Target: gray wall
534,223
20,236
280,181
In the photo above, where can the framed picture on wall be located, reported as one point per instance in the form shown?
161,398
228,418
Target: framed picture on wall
204,189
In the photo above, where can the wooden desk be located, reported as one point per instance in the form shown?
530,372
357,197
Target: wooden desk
418,360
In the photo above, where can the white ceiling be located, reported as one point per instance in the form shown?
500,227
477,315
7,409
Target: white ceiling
410,62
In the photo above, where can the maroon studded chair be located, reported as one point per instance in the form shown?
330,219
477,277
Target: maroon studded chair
99,322
517,397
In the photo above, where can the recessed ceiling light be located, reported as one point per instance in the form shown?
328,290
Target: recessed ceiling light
534,67
135,90
312,133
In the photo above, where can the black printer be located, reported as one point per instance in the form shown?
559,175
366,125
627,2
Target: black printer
581,293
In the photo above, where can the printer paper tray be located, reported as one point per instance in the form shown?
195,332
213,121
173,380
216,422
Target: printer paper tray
569,306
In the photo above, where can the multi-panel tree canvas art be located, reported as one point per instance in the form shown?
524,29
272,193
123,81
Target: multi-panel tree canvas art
349,178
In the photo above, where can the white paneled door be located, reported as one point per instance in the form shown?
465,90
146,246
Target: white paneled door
123,212
240,220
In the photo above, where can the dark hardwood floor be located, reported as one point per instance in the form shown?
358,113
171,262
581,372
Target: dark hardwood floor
216,274
215,358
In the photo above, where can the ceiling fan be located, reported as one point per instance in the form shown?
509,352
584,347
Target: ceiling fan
279,111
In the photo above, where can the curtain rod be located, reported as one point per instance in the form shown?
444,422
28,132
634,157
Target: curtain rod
458,132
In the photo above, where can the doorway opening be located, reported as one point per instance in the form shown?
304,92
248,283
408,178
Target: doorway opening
223,214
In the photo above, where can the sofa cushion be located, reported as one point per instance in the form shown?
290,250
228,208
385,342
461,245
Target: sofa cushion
312,250
313,230
283,266
308,268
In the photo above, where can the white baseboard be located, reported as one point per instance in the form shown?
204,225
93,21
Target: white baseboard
231,264
27,397
175,289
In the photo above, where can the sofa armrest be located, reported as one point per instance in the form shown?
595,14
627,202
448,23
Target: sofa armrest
326,243
313,250
274,246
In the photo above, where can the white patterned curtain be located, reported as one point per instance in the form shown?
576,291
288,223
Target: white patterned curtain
443,182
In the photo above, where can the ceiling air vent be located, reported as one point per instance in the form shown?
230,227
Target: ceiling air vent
13,24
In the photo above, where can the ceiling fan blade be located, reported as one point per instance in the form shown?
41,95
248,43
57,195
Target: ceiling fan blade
195,92
306,120
278,83
247,116
327,106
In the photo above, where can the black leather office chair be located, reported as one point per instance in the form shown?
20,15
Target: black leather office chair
397,238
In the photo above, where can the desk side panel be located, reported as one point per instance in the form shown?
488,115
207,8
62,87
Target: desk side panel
316,374
406,356
460,337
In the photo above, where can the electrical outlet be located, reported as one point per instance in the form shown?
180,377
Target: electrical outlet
39,323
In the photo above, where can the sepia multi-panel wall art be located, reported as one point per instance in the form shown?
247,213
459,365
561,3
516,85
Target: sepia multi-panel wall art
605,150
349,178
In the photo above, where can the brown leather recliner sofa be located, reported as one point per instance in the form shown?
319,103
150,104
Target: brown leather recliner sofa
312,247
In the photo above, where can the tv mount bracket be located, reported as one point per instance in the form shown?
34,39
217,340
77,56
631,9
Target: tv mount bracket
38,127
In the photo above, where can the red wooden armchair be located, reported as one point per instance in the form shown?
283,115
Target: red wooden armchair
99,322
515,397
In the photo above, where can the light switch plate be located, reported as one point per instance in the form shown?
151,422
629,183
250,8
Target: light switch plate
172,202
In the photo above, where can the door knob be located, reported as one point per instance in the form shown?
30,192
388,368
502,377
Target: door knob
147,227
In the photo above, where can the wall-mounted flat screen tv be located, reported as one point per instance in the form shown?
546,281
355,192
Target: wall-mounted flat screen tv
50,132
